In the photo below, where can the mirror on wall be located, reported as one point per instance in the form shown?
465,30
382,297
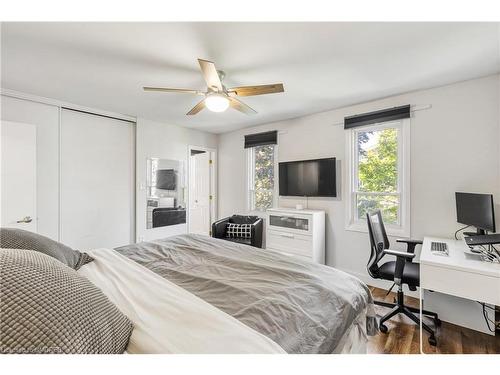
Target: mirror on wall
166,189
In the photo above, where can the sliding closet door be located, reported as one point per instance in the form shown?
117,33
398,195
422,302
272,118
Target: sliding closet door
97,181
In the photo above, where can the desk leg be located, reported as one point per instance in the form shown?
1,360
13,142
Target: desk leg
421,294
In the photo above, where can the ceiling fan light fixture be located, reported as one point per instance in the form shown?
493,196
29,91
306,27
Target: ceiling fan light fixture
217,102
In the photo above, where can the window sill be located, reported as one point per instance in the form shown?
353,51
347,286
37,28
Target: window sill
392,231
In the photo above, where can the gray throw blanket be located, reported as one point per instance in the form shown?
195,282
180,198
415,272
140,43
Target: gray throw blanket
302,306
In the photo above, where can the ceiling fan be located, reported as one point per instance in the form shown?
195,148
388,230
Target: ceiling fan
218,98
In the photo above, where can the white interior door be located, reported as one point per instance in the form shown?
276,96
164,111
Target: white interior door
199,193
97,181
18,201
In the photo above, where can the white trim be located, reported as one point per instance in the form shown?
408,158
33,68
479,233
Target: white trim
404,183
59,173
61,104
213,183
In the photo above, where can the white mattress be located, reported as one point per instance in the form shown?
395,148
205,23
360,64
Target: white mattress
167,318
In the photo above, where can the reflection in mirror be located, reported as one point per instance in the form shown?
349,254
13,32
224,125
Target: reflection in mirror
165,193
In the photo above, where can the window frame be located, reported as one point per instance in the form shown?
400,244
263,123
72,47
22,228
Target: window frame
353,223
250,172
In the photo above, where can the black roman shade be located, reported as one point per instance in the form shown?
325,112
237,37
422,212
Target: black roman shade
383,115
261,139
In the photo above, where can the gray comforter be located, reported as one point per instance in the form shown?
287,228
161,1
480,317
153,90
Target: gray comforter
304,307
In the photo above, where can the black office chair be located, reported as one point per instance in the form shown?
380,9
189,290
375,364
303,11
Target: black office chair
402,271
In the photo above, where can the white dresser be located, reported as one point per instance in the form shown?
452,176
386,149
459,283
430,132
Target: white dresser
299,233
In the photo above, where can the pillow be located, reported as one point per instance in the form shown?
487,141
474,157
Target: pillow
47,307
11,238
239,230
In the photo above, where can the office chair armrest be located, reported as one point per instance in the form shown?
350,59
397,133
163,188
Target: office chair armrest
410,244
401,259
399,254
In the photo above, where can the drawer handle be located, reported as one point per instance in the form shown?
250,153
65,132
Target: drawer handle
286,235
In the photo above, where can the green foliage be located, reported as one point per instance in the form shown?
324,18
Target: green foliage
378,172
378,169
264,176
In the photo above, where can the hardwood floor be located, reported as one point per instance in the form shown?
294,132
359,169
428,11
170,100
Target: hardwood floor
404,336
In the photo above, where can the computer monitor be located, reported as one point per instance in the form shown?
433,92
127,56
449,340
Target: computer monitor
476,210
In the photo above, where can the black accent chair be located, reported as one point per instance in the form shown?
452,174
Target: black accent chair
164,216
219,229
402,271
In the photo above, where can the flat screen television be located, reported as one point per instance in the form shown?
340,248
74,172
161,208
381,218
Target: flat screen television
308,178
165,179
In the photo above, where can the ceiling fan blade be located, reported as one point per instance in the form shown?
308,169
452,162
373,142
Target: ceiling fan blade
197,108
166,89
210,74
240,106
257,90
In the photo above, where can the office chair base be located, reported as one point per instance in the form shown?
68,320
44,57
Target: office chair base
400,308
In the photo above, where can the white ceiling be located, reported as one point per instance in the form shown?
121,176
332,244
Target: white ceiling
322,65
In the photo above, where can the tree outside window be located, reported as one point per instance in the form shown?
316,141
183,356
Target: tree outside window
261,182
377,174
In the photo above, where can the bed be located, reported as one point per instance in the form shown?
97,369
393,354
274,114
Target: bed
168,319
277,303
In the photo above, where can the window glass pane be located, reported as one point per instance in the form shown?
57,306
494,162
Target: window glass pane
378,160
263,199
262,184
388,204
264,167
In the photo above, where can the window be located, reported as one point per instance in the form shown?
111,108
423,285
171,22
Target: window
261,186
379,175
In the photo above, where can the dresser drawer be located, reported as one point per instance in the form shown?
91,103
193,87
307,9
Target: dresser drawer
300,224
292,243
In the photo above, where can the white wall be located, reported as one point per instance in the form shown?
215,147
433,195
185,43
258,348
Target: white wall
46,119
168,142
454,147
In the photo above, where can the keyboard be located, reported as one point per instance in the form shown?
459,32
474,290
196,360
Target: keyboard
487,239
439,248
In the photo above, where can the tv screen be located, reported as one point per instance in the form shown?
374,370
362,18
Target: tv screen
165,179
310,178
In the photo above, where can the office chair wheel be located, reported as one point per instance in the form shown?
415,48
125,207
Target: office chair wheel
432,340
383,328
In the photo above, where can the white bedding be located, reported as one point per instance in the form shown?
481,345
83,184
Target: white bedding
167,318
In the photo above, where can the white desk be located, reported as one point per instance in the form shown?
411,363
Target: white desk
459,274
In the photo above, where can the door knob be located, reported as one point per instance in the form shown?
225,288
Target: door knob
26,219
